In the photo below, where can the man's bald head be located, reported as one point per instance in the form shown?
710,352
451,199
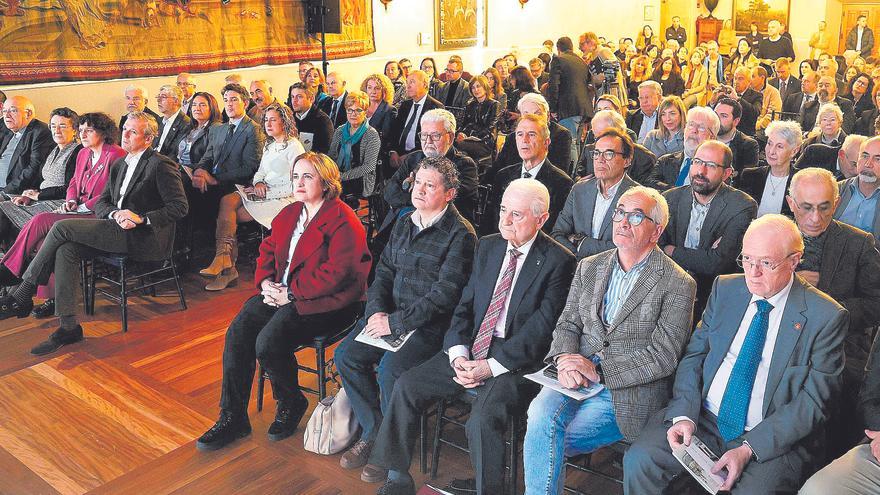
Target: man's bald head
18,112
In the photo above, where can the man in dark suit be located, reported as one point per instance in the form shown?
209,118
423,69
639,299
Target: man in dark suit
784,81
757,378
646,118
560,139
751,100
24,146
673,169
405,130
135,214
174,125
455,93
744,148
827,92
500,330
314,126
707,219
570,91
136,101
676,31
805,104
843,262
334,106
642,165
532,141
584,224
861,38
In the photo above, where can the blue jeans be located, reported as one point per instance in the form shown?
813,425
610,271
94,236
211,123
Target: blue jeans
572,124
559,426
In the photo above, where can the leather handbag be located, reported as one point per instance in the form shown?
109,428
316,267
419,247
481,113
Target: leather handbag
332,426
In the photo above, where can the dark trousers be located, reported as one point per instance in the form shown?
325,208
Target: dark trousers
417,389
368,386
69,242
270,334
649,466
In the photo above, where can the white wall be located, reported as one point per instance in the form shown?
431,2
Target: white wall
396,33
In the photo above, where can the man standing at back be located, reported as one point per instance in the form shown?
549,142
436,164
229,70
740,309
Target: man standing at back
569,91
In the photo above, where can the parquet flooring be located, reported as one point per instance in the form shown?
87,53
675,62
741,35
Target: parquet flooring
119,413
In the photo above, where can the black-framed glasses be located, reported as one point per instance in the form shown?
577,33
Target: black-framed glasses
709,165
634,218
354,111
765,264
607,155
431,136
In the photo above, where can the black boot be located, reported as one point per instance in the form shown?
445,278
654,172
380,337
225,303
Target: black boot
44,310
229,428
57,339
9,307
287,418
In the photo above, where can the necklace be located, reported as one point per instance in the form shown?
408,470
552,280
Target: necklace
774,186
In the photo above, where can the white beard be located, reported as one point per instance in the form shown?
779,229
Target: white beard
870,179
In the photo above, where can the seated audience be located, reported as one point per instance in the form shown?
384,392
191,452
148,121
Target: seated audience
392,72
768,182
867,120
493,79
860,90
324,242
407,127
744,148
24,146
334,106
584,224
631,346
419,280
804,105
136,97
271,187
317,86
784,80
643,161
639,72
645,119
750,100
668,75
708,219
673,170
236,79
646,37
355,148
493,340
669,136
455,92
828,129
771,101
696,78
314,126
303,70
98,152
261,95
858,195
204,113
532,141
761,415
134,215
560,138
839,160
477,129
429,67
174,124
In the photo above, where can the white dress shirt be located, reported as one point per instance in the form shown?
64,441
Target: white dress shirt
602,205
167,123
533,171
294,240
411,137
131,162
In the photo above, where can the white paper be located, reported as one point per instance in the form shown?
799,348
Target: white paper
438,490
380,342
307,138
698,460
263,210
580,394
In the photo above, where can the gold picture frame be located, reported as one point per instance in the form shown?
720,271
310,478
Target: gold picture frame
456,23
760,12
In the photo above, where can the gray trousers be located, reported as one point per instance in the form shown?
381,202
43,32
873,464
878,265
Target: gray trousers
69,242
855,473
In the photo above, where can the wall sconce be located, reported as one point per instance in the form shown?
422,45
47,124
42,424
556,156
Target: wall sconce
522,3
385,3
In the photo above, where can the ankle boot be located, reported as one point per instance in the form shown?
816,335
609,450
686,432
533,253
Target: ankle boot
222,259
226,278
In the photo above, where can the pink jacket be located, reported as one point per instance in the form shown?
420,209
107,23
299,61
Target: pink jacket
86,185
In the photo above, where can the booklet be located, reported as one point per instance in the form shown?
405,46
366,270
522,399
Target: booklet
698,460
547,377
388,342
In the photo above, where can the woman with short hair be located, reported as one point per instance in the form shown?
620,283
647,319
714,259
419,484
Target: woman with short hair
355,149
828,129
768,182
477,128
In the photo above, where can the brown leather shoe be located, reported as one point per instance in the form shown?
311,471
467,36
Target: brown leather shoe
229,277
357,455
373,474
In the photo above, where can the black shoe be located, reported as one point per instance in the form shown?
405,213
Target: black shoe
226,430
463,486
44,310
9,307
7,278
58,338
397,487
287,419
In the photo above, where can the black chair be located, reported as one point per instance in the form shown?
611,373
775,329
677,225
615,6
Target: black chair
320,345
460,409
126,276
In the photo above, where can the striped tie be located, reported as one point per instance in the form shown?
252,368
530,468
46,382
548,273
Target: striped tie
480,349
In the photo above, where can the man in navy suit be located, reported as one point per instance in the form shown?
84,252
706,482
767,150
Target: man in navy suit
500,330
757,378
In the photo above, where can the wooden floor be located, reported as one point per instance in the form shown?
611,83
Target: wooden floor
119,414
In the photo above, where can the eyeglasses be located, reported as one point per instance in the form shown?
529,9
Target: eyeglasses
11,111
709,165
61,127
824,209
743,260
634,218
696,127
431,136
606,155
184,84
354,111
405,67
452,71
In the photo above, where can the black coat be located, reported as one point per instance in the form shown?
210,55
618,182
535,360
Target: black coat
569,91
147,110
559,152
640,169
745,153
327,105
821,156
666,171
480,120
318,124
792,86
179,129
865,123
751,102
634,120
753,180
395,138
557,182
29,157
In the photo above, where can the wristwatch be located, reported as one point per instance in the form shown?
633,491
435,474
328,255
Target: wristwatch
600,373
290,296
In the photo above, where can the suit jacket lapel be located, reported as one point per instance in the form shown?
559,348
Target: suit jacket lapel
226,148
716,209
532,266
790,328
651,274
832,251
493,271
605,267
684,217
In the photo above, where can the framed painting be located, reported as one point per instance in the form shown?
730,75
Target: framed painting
456,23
760,12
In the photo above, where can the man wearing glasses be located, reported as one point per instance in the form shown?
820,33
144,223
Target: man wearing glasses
187,83
673,169
758,376
174,125
584,225
456,92
625,325
858,195
404,136
707,219
854,283
25,143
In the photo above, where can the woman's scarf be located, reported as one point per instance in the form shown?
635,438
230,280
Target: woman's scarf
349,140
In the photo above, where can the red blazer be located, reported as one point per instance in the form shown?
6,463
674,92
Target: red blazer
331,261
88,189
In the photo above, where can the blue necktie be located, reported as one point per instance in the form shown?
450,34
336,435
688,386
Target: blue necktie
735,403
685,171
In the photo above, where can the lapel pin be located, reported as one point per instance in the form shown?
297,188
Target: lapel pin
797,326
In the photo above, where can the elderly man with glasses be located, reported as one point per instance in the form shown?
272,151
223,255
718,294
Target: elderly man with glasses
757,380
858,195
625,325
707,219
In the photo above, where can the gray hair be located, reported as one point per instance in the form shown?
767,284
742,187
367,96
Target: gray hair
178,93
788,130
445,168
536,99
152,129
782,227
660,211
652,85
439,115
853,140
814,174
137,87
829,108
540,196
709,114
610,118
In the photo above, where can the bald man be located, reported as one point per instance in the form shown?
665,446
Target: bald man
261,95
24,146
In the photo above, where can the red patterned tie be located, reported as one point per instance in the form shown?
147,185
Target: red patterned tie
480,349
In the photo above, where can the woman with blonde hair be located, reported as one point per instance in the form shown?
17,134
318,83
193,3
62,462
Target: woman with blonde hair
669,136
696,80
827,130
639,72
355,148
317,85
380,112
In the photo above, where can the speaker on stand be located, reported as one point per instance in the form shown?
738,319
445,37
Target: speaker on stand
322,17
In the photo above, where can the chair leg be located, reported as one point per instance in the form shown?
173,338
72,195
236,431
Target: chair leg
177,282
91,284
435,454
260,384
84,283
423,442
123,296
321,363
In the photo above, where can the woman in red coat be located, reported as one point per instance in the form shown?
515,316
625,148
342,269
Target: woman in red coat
312,274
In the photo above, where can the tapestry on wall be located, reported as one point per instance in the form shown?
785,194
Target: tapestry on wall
75,40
